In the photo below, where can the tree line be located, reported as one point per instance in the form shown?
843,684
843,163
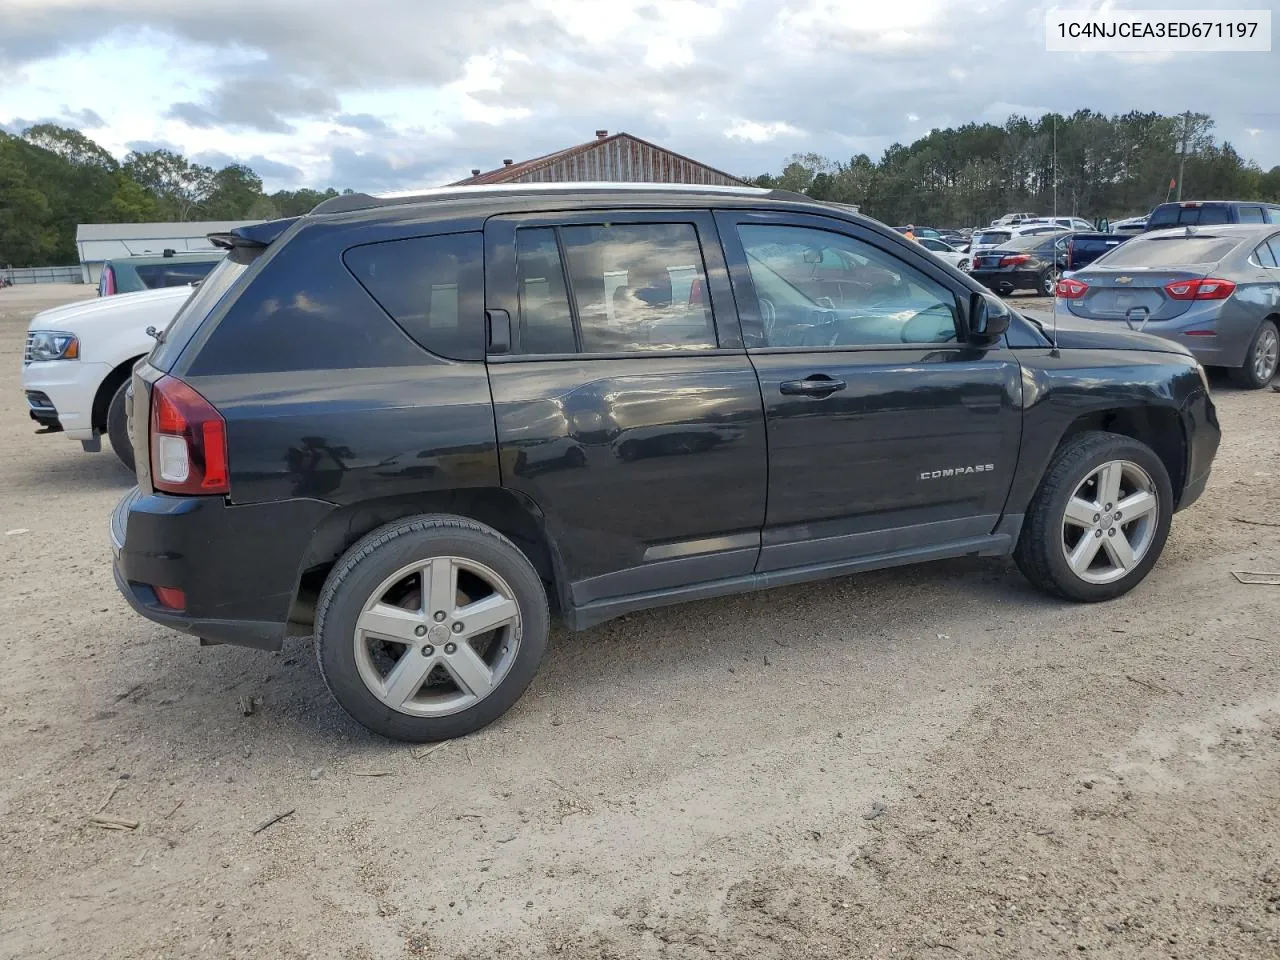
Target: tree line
1112,167
53,178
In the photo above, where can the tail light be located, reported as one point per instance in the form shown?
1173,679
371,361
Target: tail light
697,292
109,288
1208,288
188,441
1016,260
1069,289
1070,247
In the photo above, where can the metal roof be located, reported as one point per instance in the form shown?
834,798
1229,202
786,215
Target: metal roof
621,156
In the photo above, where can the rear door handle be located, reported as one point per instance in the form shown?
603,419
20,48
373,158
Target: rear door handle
815,385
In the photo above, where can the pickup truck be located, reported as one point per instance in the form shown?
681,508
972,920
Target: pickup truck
78,358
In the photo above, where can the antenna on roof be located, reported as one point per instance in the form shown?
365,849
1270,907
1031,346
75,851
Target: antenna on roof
1053,333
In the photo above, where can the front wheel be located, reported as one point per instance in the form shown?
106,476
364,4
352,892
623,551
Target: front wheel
431,628
1261,360
1099,521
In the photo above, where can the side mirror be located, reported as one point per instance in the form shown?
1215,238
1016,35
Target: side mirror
988,319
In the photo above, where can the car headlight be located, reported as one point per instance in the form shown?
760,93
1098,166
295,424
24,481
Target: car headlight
52,345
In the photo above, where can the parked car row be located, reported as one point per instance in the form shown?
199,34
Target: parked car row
1215,290
1212,283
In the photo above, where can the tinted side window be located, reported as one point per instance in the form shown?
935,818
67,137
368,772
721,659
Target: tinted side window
1251,215
1165,215
639,286
1212,213
127,280
303,311
1264,255
546,322
818,288
432,286
1273,244
633,287
1273,214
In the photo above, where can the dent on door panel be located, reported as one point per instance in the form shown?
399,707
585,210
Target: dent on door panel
651,472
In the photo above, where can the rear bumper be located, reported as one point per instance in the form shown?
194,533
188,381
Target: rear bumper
238,566
1007,279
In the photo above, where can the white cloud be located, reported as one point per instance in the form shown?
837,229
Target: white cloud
760,132
419,89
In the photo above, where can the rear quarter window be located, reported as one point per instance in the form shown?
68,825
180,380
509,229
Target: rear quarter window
433,287
299,309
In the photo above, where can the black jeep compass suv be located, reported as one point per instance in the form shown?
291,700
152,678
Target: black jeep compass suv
418,426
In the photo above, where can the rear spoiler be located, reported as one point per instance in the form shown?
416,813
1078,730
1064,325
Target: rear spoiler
254,235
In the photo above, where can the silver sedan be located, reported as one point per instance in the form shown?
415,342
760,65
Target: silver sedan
1216,290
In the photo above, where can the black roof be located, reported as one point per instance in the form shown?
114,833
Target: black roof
470,202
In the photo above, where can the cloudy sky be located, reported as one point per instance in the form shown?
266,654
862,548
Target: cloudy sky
388,94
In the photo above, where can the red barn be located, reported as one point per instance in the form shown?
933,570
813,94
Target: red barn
619,158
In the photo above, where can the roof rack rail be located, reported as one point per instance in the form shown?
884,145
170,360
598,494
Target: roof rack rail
364,201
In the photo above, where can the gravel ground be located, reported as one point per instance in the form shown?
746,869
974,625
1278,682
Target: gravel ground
925,762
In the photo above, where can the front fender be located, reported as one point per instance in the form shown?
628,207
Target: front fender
1067,389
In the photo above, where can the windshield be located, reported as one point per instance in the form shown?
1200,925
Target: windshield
991,237
1030,241
1170,251
200,304
173,273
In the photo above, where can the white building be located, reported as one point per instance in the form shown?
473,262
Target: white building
98,242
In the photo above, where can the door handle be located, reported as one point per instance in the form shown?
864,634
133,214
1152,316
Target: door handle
499,324
816,385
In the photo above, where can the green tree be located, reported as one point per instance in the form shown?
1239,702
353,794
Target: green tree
71,145
27,233
179,185
233,190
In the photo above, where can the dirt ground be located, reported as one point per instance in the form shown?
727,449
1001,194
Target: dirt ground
926,762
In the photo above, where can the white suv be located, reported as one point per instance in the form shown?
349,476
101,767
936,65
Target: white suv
78,358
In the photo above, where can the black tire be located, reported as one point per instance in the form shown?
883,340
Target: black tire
1247,376
1039,554
118,427
379,555
1048,282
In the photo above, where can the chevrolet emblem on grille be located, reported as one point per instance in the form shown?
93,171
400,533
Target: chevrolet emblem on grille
1124,279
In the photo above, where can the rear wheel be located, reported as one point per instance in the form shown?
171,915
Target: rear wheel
1262,359
1099,521
118,427
431,628
1048,283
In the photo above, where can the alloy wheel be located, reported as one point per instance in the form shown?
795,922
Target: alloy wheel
1050,282
1110,522
437,636
1265,354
